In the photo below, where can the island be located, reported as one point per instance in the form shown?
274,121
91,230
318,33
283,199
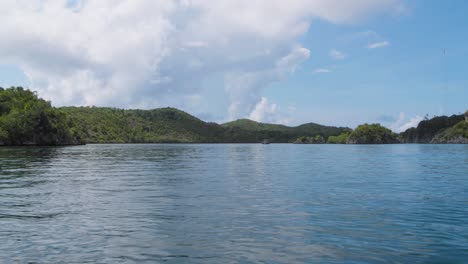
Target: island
26,119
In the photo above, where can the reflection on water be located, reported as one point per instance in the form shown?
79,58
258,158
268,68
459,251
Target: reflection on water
234,204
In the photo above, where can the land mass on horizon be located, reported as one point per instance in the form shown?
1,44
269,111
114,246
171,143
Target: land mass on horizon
26,119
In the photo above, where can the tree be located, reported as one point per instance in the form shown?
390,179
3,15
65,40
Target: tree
27,119
340,139
372,134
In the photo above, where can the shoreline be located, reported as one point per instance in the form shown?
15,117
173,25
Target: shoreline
215,143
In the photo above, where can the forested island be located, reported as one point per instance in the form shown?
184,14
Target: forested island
26,119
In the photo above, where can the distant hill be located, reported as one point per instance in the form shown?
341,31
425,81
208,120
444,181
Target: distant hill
26,119
372,134
428,129
170,125
251,125
284,134
112,125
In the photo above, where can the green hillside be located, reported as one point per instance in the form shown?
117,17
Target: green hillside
251,125
112,125
26,119
372,134
457,134
282,133
428,129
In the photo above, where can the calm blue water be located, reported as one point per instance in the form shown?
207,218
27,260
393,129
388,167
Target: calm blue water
277,203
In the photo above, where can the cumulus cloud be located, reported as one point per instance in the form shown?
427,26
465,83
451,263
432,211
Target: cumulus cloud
413,122
402,122
244,88
267,112
263,110
378,45
135,53
336,54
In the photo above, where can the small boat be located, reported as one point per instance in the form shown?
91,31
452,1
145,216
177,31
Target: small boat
265,141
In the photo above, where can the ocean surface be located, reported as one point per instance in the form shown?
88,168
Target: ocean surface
234,203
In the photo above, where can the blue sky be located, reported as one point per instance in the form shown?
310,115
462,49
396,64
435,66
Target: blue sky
412,74
386,61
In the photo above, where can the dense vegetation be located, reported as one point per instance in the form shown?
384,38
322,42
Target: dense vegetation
306,133
429,128
112,125
456,134
340,139
318,139
372,134
27,120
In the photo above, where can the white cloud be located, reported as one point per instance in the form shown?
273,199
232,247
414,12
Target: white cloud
402,123
132,53
244,88
336,54
413,122
290,62
322,70
263,110
378,45
270,113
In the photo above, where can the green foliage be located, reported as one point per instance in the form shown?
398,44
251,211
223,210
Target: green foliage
372,134
456,134
340,139
164,125
3,135
26,119
251,125
427,129
460,129
317,139
111,125
284,134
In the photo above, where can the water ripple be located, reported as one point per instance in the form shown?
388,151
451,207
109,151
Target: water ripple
234,204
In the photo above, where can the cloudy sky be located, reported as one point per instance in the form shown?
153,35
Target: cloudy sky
333,62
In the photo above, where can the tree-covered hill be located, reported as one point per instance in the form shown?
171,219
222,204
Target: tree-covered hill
26,119
372,134
283,134
247,124
112,125
457,134
428,129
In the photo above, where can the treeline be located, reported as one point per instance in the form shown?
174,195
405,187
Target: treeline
170,125
164,125
367,134
438,130
305,133
26,119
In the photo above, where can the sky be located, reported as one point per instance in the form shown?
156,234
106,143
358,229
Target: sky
331,62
